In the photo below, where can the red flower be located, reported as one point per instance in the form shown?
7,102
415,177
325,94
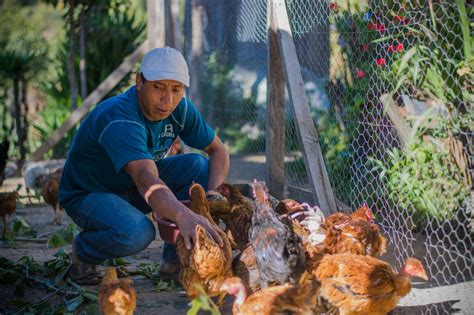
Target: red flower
399,47
380,62
391,48
371,26
360,74
380,27
365,47
398,18
333,6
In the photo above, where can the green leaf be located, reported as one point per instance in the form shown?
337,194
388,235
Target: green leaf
73,304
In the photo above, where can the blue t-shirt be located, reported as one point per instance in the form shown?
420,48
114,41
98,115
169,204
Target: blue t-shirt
115,133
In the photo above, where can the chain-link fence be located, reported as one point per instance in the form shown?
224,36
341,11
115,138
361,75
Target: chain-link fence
390,88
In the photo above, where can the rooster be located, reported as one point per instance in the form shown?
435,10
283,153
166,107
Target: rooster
365,285
117,297
280,257
206,263
238,218
8,202
281,299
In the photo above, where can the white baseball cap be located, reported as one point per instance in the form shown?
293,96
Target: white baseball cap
165,63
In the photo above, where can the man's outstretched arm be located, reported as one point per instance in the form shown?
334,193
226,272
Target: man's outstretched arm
161,199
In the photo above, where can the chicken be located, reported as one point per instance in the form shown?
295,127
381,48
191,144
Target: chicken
238,218
117,297
355,234
280,257
44,178
281,299
8,202
244,266
365,285
206,264
287,206
50,193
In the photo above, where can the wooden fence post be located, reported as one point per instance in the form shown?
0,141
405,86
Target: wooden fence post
275,135
306,132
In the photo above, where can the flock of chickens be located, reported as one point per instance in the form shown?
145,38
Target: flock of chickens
40,178
291,259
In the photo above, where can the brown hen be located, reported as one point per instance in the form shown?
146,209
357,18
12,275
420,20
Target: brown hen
281,299
8,202
117,297
365,285
238,218
50,193
206,264
354,234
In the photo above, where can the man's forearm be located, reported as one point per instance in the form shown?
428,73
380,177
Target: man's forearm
161,199
219,163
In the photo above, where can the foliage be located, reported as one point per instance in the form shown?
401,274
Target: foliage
19,227
424,180
203,302
26,272
149,270
64,236
164,285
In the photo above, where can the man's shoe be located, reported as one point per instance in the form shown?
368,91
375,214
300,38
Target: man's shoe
169,271
82,273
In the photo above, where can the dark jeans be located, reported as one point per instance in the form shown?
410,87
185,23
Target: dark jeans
115,226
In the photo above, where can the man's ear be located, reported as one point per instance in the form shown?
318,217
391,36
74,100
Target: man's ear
138,80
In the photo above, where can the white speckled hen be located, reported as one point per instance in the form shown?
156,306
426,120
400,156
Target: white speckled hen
280,257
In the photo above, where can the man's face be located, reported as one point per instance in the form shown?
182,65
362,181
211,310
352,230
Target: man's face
158,99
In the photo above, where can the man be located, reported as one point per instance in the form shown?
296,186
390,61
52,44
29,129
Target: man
116,171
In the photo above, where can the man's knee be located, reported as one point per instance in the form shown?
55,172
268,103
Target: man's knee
136,238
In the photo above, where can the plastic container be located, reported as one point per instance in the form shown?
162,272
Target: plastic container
168,229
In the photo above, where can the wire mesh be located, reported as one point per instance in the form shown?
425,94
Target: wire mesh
359,59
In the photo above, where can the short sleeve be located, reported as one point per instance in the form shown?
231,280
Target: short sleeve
124,141
196,131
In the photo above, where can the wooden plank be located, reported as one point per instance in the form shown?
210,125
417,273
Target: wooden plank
307,134
156,25
105,87
397,119
275,136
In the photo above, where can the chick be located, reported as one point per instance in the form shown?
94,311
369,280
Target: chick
117,297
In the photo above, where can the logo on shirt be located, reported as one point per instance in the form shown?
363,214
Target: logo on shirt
168,132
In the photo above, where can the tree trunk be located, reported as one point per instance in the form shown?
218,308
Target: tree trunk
24,119
71,72
82,51
18,119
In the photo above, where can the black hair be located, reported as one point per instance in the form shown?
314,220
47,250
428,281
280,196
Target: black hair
143,77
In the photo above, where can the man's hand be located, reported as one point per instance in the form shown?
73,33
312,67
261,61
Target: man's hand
187,223
214,195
